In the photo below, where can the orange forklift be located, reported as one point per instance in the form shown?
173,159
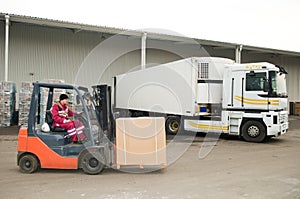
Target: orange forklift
53,150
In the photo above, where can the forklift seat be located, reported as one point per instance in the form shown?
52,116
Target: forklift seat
49,121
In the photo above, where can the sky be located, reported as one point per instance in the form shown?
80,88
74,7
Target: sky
263,23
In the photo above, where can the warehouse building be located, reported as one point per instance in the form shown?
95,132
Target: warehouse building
35,49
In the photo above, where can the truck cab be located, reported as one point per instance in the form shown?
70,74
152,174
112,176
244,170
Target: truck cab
257,100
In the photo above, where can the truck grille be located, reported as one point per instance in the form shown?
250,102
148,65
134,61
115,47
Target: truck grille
203,71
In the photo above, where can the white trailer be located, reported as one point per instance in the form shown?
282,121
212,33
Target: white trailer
206,94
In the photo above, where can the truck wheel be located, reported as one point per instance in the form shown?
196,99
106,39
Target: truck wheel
93,163
28,164
173,125
254,131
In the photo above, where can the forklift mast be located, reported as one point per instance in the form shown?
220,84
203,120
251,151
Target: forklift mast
102,98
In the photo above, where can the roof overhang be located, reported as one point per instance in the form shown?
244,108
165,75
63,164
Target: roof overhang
77,27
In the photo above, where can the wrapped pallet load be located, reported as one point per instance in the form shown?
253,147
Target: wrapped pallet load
7,102
140,142
24,102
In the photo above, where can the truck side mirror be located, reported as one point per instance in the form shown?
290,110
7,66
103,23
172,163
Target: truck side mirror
266,85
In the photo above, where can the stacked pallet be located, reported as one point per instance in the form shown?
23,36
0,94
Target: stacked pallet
54,81
44,96
297,108
24,102
7,102
58,92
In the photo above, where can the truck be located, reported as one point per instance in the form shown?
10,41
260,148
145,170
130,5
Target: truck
208,94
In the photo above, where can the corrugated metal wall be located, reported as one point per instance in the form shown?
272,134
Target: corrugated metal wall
291,64
57,53
157,52
132,61
219,52
2,50
293,81
47,53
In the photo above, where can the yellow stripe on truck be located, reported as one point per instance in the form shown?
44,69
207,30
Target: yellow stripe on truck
207,126
257,101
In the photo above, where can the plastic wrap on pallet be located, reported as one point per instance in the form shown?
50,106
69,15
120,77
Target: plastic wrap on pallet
7,86
25,93
25,98
54,81
7,102
42,105
44,98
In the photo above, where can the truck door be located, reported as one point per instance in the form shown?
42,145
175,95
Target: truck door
237,90
254,96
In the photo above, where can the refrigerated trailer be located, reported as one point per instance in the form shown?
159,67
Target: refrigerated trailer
208,94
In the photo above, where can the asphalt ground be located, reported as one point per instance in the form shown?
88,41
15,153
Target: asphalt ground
232,169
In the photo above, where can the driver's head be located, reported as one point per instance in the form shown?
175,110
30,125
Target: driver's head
63,99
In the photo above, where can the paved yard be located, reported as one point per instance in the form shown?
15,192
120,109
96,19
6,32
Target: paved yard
233,169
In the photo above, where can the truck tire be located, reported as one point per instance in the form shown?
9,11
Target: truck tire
254,131
172,125
93,163
28,164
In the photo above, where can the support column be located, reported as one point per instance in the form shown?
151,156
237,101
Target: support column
143,51
6,47
238,54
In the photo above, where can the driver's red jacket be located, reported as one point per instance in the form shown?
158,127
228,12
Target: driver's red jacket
61,114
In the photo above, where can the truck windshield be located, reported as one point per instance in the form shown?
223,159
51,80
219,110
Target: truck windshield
278,84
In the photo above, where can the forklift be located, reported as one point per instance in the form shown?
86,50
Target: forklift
108,144
53,150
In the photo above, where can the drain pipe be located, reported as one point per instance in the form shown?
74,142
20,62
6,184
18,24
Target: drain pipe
238,54
143,51
6,47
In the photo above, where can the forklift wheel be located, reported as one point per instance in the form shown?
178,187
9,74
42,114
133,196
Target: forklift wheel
28,164
93,163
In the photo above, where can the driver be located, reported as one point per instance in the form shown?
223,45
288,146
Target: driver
61,114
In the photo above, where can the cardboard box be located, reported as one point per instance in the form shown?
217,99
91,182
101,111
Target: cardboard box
297,108
140,141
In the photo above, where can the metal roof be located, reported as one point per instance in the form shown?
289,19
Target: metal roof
76,27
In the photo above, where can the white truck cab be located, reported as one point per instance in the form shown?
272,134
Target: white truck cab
258,95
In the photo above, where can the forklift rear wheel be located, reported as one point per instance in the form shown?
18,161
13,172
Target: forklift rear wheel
173,124
93,163
28,164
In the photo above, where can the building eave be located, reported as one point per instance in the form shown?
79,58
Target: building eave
77,27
